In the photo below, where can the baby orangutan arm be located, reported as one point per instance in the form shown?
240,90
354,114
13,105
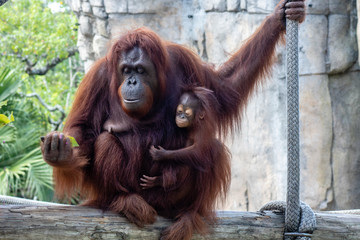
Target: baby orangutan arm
179,155
190,156
150,182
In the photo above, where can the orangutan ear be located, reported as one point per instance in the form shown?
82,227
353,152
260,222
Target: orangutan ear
202,115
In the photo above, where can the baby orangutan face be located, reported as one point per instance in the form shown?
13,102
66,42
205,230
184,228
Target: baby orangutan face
187,110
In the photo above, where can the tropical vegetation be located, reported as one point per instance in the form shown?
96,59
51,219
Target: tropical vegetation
39,72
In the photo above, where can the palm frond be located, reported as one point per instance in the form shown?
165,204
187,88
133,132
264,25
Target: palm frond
39,176
22,170
11,178
25,171
8,83
7,136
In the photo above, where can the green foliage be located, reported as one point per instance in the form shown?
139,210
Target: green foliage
8,85
22,170
31,29
3,103
6,120
31,37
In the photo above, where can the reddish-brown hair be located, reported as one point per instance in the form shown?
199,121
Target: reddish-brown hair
107,167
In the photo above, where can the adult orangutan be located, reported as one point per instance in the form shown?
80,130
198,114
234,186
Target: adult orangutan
133,92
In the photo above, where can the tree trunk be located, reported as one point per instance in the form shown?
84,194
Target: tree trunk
75,222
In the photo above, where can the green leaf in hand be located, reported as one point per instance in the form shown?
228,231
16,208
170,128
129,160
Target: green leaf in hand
73,141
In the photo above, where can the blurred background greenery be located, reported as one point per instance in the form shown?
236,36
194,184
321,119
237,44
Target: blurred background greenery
39,73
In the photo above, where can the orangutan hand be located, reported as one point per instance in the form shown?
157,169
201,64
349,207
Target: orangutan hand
56,148
294,10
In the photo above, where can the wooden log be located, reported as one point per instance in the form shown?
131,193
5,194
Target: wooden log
76,222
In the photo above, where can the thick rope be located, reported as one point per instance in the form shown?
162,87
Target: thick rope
7,200
292,213
307,221
350,211
300,220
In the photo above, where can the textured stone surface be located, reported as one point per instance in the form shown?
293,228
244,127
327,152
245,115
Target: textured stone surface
318,7
115,6
329,102
101,27
84,44
225,32
87,64
243,4
148,6
345,95
313,45
75,5
86,26
315,140
97,3
170,29
213,5
256,6
341,6
100,45
342,45
259,157
233,5
86,7
100,12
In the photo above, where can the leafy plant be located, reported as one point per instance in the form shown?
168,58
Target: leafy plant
8,85
40,44
22,170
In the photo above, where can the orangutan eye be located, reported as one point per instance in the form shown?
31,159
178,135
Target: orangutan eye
180,109
126,70
189,112
140,70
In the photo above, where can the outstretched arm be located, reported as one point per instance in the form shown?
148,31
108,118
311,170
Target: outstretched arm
179,155
255,58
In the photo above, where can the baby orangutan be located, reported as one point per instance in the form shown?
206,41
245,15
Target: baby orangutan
190,114
203,153
181,172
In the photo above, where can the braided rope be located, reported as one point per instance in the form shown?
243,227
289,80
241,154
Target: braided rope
300,220
292,213
351,211
307,220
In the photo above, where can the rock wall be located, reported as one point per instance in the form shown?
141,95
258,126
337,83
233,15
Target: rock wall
329,89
